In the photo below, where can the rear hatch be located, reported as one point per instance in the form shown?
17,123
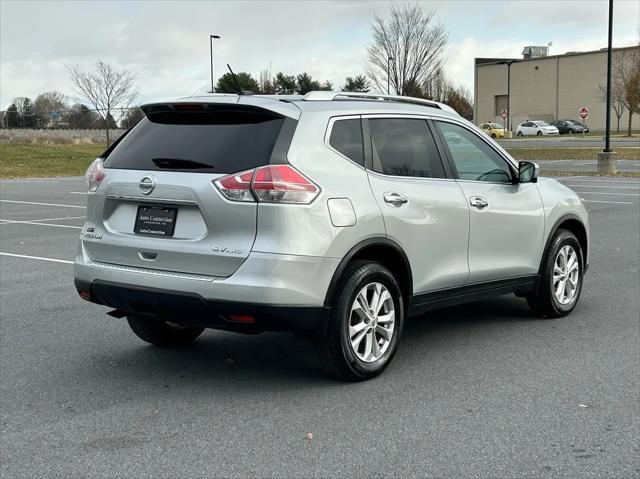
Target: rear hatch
157,206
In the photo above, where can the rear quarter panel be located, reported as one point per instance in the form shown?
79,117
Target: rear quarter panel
307,229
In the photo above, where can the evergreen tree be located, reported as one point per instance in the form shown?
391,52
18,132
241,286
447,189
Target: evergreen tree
226,83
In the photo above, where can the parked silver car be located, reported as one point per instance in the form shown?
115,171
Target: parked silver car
331,215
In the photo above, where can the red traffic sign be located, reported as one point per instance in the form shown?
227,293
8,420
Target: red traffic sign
584,112
504,114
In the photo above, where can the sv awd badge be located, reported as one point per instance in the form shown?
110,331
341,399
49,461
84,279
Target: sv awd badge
224,249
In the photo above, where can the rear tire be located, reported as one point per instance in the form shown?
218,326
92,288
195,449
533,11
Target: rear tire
539,133
520,133
359,345
560,286
162,333
493,135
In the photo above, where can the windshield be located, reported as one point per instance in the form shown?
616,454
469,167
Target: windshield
574,122
541,123
495,125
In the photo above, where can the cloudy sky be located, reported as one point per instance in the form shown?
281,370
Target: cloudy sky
166,42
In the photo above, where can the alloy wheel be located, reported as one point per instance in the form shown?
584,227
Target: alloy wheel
566,275
371,322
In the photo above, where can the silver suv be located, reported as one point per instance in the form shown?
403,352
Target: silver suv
334,216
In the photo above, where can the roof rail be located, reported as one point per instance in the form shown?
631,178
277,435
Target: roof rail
345,95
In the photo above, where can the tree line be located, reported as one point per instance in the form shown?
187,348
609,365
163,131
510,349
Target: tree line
283,84
52,110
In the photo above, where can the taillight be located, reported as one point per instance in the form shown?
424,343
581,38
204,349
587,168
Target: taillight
236,187
95,174
269,184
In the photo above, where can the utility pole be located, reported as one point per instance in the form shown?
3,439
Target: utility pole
211,38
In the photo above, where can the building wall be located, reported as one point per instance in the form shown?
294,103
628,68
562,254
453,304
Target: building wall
547,88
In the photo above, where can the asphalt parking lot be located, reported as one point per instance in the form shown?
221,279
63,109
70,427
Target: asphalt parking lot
482,390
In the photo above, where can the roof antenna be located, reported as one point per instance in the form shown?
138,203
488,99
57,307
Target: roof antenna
235,79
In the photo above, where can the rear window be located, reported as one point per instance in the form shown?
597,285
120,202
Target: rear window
220,139
404,147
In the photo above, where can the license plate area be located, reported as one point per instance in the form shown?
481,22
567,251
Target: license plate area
155,221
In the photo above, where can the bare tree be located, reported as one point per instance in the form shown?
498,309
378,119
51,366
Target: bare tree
409,43
626,71
617,99
265,82
436,86
106,88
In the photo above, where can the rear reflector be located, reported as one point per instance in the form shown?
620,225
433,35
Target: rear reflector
269,184
239,318
95,174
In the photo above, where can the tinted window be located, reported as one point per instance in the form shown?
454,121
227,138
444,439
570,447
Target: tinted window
404,147
219,141
346,137
473,158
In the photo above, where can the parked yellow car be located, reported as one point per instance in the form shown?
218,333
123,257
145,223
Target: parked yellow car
494,130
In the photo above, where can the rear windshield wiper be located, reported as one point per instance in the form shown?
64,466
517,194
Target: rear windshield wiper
179,163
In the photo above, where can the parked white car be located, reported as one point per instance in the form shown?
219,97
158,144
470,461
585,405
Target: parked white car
536,128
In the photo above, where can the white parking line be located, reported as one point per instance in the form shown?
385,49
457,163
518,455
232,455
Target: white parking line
592,180
612,202
6,222
607,193
54,219
42,204
78,193
53,260
600,186
586,163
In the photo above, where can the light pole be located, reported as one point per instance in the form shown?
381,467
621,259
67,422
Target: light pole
211,38
607,141
508,63
389,60
607,158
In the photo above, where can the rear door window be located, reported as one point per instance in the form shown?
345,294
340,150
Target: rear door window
215,139
404,147
346,137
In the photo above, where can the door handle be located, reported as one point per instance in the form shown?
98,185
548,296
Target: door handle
395,199
478,202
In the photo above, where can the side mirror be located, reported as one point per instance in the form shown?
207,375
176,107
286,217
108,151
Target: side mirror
528,172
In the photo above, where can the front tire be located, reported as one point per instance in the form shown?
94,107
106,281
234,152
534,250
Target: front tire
163,333
539,133
520,133
365,324
561,278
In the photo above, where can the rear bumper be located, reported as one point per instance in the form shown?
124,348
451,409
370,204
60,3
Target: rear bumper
193,309
281,292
